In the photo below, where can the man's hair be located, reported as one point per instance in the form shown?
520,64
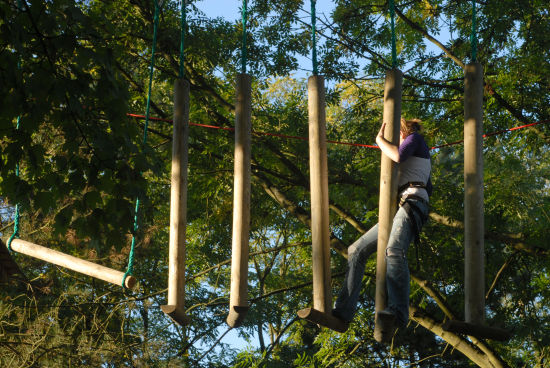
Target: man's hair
409,126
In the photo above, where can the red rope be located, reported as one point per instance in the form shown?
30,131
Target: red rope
337,142
496,133
257,133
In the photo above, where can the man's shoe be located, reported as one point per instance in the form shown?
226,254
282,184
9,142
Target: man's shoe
384,326
338,316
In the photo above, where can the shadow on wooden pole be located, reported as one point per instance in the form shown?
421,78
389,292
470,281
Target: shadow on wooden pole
320,233
474,253
238,303
175,308
388,192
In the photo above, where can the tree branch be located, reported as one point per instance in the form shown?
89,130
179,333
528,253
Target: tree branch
516,241
296,210
425,33
459,343
444,306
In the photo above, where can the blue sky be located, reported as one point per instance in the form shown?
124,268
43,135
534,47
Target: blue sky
230,9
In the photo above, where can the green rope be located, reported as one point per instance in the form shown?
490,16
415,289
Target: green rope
17,215
313,38
152,68
393,41
15,227
473,35
243,49
182,39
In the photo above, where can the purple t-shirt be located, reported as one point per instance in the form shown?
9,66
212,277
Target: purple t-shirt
415,146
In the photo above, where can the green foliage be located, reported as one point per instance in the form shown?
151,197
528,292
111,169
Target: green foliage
84,64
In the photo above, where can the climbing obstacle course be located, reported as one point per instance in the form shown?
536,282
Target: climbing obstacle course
320,312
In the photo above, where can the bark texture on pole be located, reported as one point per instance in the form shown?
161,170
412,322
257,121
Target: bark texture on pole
320,313
474,259
178,205
318,174
72,263
238,304
388,190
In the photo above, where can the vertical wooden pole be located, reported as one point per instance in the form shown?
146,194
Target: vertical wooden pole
178,205
241,203
474,258
388,189
320,233
320,313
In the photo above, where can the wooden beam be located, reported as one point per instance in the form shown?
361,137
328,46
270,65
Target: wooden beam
238,303
175,308
479,331
176,313
318,168
388,191
324,319
72,263
474,256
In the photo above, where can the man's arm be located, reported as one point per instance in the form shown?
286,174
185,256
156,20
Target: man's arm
389,149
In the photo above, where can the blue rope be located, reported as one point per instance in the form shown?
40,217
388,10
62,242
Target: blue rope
313,38
243,48
147,112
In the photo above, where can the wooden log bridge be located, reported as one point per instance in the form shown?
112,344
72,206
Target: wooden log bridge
175,307
72,263
238,300
320,233
388,193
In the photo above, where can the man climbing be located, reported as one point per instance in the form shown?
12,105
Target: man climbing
414,167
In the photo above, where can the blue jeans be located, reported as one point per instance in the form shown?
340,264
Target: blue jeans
397,269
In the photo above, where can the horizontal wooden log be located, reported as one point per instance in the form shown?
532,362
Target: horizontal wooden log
72,263
236,315
481,332
177,314
323,319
